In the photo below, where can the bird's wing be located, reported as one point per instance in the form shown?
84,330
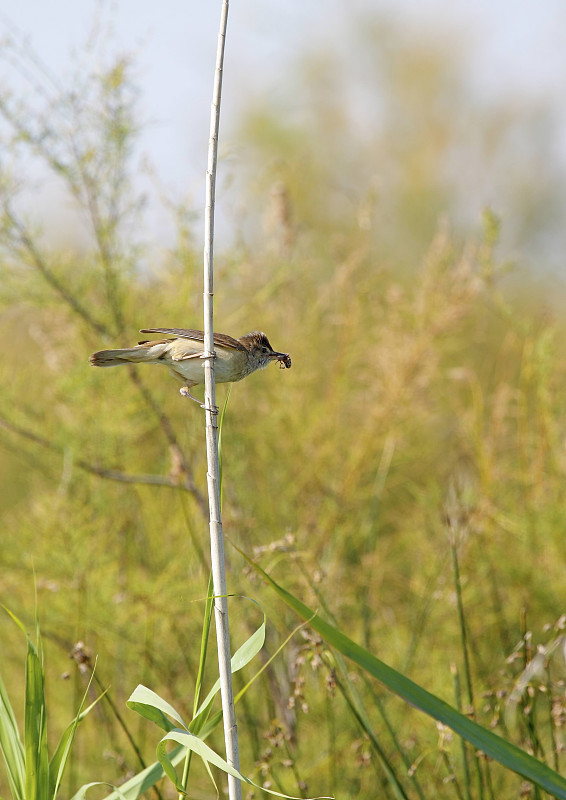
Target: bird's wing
220,339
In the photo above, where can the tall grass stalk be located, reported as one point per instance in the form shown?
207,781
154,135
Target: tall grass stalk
213,472
470,706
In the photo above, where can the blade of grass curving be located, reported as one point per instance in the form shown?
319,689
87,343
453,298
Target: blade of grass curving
506,753
150,705
358,707
351,694
154,708
452,530
15,619
464,757
208,757
11,746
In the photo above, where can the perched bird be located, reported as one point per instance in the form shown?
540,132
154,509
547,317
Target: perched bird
182,355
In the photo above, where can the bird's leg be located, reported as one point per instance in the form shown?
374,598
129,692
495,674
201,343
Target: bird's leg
186,392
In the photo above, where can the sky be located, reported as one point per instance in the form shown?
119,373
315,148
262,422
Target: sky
513,47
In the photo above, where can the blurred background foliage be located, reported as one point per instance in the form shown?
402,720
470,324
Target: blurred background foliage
424,409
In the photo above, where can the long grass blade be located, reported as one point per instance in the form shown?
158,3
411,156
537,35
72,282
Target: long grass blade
11,746
35,730
62,751
209,757
506,753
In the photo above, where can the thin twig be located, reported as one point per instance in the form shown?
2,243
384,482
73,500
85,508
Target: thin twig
104,472
213,474
188,484
37,259
26,241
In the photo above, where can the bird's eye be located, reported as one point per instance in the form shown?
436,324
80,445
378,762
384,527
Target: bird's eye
264,349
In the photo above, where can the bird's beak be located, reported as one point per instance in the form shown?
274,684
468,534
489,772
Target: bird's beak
283,358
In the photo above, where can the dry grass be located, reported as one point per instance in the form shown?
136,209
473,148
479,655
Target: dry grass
419,396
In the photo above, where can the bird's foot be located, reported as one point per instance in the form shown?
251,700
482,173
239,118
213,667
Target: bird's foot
186,392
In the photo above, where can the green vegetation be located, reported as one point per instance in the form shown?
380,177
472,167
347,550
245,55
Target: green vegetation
31,773
405,478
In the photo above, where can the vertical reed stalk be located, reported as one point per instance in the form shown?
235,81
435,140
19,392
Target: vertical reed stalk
213,473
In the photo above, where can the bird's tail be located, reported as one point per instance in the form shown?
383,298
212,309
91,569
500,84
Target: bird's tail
146,353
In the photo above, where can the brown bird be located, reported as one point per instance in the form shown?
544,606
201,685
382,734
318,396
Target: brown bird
182,355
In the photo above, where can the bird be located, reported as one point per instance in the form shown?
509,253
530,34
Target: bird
183,355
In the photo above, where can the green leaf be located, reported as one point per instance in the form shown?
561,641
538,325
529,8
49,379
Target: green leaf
154,708
506,753
30,773
11,746
16,619
62,751
241,657
35,730
208,756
